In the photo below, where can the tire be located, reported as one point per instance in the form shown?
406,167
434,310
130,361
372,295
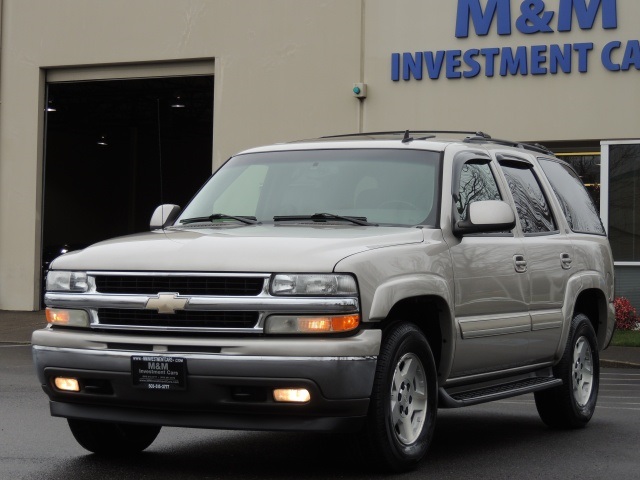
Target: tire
572,404
404,402
113,438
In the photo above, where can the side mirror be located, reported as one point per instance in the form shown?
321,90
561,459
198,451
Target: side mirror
164,215
486,216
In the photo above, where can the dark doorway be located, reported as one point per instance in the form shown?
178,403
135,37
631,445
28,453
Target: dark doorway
116,149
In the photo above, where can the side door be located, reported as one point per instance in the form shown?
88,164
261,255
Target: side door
548,255
491,286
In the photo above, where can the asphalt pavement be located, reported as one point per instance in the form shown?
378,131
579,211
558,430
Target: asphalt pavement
16,328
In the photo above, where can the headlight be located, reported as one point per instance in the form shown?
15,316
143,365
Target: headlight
65,281
313,284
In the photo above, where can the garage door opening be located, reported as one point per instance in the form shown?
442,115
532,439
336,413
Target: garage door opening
116,149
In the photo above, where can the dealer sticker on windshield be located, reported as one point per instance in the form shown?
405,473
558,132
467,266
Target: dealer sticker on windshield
159,373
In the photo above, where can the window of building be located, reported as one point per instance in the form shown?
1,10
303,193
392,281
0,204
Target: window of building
624,202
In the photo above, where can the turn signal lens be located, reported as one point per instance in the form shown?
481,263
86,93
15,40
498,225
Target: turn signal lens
291,395
328,324
70,318
67,384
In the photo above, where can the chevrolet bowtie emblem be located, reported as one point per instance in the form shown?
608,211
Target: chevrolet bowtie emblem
166,303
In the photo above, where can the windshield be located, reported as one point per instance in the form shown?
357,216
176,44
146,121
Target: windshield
385,186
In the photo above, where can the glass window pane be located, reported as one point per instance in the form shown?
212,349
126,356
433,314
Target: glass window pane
588,169
576,203
384,186
476,184
624,202
533,209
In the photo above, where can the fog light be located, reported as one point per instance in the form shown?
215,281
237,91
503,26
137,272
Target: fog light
291,395
67,384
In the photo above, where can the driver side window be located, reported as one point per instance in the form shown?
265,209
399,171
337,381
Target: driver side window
476,183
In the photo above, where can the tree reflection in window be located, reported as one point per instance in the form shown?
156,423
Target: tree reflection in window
531,204
476,184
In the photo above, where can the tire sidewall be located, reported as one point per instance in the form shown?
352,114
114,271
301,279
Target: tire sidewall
411,340
581,327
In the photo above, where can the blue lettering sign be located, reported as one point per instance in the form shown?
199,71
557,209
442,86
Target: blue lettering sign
586,15
513,64
395,67
583,50
474,65
631,56
453,63
471,10
534,19
538,59
606,56
434,64
560,57
411,66
490,54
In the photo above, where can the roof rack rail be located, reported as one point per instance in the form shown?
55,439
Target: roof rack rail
410,132
526,146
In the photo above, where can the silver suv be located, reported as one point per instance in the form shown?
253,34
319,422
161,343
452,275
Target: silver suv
354,283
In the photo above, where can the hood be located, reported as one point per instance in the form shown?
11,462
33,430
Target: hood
254,248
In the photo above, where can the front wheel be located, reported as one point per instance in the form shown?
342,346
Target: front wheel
404,402
112,438
572,404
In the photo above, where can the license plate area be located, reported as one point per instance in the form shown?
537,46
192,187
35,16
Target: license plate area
152,372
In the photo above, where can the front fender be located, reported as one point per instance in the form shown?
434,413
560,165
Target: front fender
416,285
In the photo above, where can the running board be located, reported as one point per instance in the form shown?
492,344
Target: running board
496,392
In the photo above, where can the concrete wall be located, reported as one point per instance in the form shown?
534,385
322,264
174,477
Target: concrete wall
284,70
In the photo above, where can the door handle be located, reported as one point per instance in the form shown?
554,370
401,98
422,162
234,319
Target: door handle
565,260
520,263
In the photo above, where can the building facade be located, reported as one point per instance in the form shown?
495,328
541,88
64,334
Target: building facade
93,91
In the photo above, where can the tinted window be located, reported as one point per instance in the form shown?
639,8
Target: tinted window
531,204
476,184
574,200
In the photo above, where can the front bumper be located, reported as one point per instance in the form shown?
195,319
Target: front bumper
229,380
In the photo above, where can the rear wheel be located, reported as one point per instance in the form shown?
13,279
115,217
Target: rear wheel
403,407
572,404
112,438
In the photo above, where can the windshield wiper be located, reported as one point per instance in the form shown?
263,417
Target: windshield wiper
323,217
221,216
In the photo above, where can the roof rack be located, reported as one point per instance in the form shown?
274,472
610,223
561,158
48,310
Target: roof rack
474,136
526,146
409,132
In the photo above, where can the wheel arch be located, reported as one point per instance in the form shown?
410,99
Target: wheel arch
431,314
586,294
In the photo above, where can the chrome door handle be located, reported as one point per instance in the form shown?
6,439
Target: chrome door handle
520,263
565,260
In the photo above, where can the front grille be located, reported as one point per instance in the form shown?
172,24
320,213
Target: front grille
181,319
184,285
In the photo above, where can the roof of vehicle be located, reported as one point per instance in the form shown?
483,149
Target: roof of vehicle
435,140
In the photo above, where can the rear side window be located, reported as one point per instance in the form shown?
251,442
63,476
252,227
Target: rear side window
574,199
533,208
